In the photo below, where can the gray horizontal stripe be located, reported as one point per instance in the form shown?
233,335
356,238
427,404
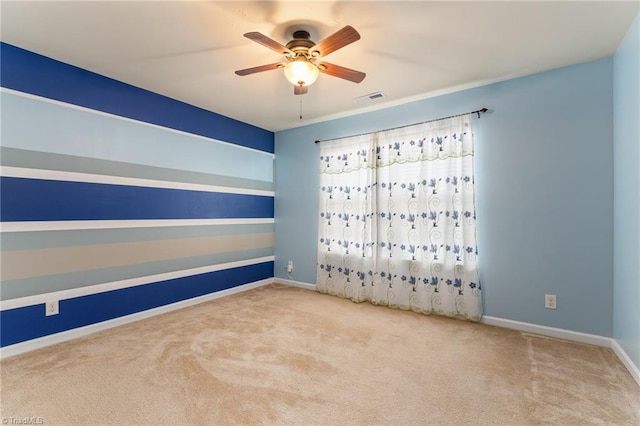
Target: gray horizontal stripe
69,238
32,263
13,289
15,157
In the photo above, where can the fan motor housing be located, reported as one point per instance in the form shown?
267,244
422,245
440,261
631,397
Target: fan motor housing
301,42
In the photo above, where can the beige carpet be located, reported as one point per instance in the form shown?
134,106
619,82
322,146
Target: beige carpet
295,357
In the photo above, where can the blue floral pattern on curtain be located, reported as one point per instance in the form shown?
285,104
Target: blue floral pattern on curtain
397,222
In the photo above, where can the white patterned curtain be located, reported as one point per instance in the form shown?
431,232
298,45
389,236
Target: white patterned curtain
397,219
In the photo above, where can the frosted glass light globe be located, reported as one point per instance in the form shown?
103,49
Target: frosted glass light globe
301,72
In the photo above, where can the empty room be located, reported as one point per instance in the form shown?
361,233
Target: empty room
320,212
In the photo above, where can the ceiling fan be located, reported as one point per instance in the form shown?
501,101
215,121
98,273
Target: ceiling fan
302,63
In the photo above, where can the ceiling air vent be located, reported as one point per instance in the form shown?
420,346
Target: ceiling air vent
369,98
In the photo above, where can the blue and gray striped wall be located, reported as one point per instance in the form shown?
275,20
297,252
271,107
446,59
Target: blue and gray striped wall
115,200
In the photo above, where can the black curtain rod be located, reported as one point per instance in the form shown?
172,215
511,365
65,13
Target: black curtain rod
478,111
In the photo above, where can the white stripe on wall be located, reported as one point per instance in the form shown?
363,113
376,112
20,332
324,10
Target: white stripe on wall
72,225
20,172
132,282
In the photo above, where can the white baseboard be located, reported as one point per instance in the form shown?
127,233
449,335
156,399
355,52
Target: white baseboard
573,336
624,358
293,283
559,333
64,336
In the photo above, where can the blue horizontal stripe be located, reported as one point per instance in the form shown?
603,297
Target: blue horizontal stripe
22,324
24,199
29,72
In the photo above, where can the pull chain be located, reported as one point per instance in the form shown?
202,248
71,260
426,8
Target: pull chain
300,107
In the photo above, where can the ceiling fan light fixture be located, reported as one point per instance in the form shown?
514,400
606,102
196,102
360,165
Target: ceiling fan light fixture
301,72
300,54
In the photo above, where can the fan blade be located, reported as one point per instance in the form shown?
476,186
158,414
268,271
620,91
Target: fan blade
268,42
341,72
261,68
300,90
337,40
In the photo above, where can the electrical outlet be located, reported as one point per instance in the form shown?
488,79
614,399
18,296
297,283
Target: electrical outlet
51,308
290,266
550,301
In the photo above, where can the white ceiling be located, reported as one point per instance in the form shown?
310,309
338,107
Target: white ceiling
409,50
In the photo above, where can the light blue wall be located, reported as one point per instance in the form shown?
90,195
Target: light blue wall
626,193
544,192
